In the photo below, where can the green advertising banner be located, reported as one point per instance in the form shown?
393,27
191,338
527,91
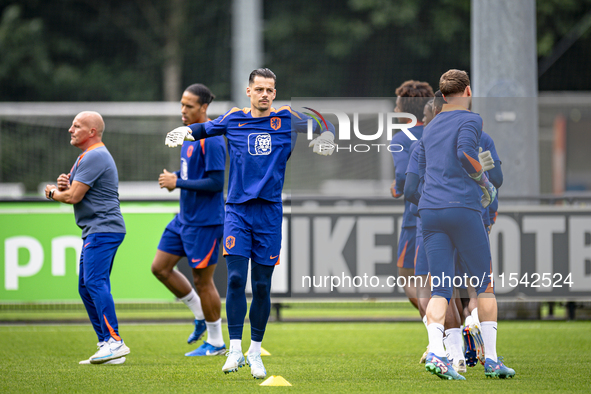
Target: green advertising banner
40,244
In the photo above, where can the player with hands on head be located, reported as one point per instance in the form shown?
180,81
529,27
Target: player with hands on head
196,232
260,141
92,187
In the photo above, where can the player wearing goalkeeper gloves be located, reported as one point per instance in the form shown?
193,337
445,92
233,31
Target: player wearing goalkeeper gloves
465,306
196,232
450,209
491,164
260,141
412,96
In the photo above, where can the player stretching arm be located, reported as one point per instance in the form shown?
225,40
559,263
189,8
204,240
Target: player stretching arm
260,141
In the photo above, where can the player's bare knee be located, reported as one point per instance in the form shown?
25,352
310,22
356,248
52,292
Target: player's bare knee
202,285
159,271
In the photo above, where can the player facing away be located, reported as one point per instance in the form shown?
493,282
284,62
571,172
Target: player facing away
92,187
196,231
456,311
412,96
467,306
412,190
450,209
260,141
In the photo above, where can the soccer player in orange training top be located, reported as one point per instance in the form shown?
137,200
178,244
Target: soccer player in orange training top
260,141
196,232
92,187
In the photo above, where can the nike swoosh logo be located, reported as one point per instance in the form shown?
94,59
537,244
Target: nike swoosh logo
241,124
87,244
195,260
273,257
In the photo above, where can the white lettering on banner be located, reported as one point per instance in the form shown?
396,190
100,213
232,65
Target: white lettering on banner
544,227
511,246
300,249
58,253
328,249
580,252
280,281
368,253
12,270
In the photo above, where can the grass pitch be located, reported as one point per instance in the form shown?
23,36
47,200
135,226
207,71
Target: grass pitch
313,357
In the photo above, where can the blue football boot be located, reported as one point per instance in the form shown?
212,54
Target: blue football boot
200,328
441,367
497,369
470,347
207,349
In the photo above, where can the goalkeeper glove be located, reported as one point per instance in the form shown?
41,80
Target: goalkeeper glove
177,136
486,160
489,192
323,145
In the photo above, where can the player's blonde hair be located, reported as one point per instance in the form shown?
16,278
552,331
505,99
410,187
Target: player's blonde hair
454,82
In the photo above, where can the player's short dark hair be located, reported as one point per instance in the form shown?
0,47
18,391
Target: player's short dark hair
438,102
261,72
454,82
201,91
416,94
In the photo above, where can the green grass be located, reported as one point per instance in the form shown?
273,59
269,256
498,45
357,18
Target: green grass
313,357
294,310
75,312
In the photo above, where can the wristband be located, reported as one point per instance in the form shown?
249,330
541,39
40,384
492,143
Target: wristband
51,193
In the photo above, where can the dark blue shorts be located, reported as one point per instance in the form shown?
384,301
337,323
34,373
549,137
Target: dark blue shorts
406,247
421,263
444,231
201,244
253,230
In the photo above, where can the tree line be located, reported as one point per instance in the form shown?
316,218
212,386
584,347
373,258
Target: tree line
148,50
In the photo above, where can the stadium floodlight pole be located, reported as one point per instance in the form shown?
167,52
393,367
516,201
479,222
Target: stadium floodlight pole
247,45
504,64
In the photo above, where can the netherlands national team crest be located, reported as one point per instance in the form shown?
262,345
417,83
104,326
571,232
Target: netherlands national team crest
230,241
275,123
259,144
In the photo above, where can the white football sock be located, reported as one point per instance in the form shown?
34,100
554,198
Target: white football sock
214,333
435,332
425,321
489,336
193,302
236,344
475,316
469,320
453,343
255,347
